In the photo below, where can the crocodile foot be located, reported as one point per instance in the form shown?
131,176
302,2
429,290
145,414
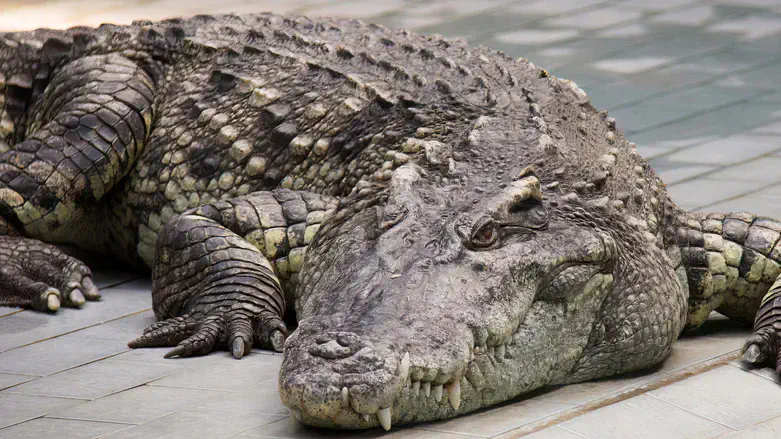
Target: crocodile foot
40,276
762,347
201,333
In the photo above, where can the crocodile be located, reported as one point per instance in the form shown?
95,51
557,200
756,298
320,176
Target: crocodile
448,227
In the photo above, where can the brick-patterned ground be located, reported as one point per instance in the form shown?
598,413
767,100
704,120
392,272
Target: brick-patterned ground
694,83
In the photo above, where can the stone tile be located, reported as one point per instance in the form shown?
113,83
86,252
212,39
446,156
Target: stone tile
763,169
16,408
628,30
31,326
555,7
582,393
631,65
554,432
749,203
727,394
750,28
656,5
697,16
536,36
55,355
228,374
728,150
292,429
139,405
683,171
123,329
772,129
97,379
701,192
594,19
719,123
648,115
45,428
499,420
770,429
428,15
690,350
356,9
8,379
155,356
765,372
263,400
185,424
643,417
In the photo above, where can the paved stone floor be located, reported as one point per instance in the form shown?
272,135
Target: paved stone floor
694,83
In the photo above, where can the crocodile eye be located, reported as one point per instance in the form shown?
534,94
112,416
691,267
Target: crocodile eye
485,234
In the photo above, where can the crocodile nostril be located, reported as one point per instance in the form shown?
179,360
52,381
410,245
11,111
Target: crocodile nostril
331,350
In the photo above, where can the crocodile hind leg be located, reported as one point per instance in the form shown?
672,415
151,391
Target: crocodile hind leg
733,265
221,272
86,131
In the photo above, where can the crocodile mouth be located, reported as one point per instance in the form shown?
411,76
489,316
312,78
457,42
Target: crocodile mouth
417,392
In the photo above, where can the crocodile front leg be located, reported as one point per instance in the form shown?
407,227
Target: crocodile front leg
220,271
90,126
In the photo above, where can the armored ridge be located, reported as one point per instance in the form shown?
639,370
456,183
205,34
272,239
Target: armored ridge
451,227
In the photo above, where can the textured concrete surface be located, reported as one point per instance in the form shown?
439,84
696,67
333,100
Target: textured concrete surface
693,83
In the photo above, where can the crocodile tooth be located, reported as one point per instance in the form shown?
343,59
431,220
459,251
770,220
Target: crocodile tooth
384,416
367,417
455,394
345,398
500,351
404,366
416,387
427,388
438,392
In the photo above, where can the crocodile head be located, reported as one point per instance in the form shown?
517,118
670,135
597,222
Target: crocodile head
434,299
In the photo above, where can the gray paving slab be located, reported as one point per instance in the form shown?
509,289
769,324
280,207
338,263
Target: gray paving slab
155,356
755,203
45,428
15,408
29,326
554,432
203,424
97,379
499,420
644,417
251,400
55,355
289,428
773,129
770,429
228,374
657,5
9,379
702,192
763,169
594,18
139,405
727,395
738,148
672,173
122,329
